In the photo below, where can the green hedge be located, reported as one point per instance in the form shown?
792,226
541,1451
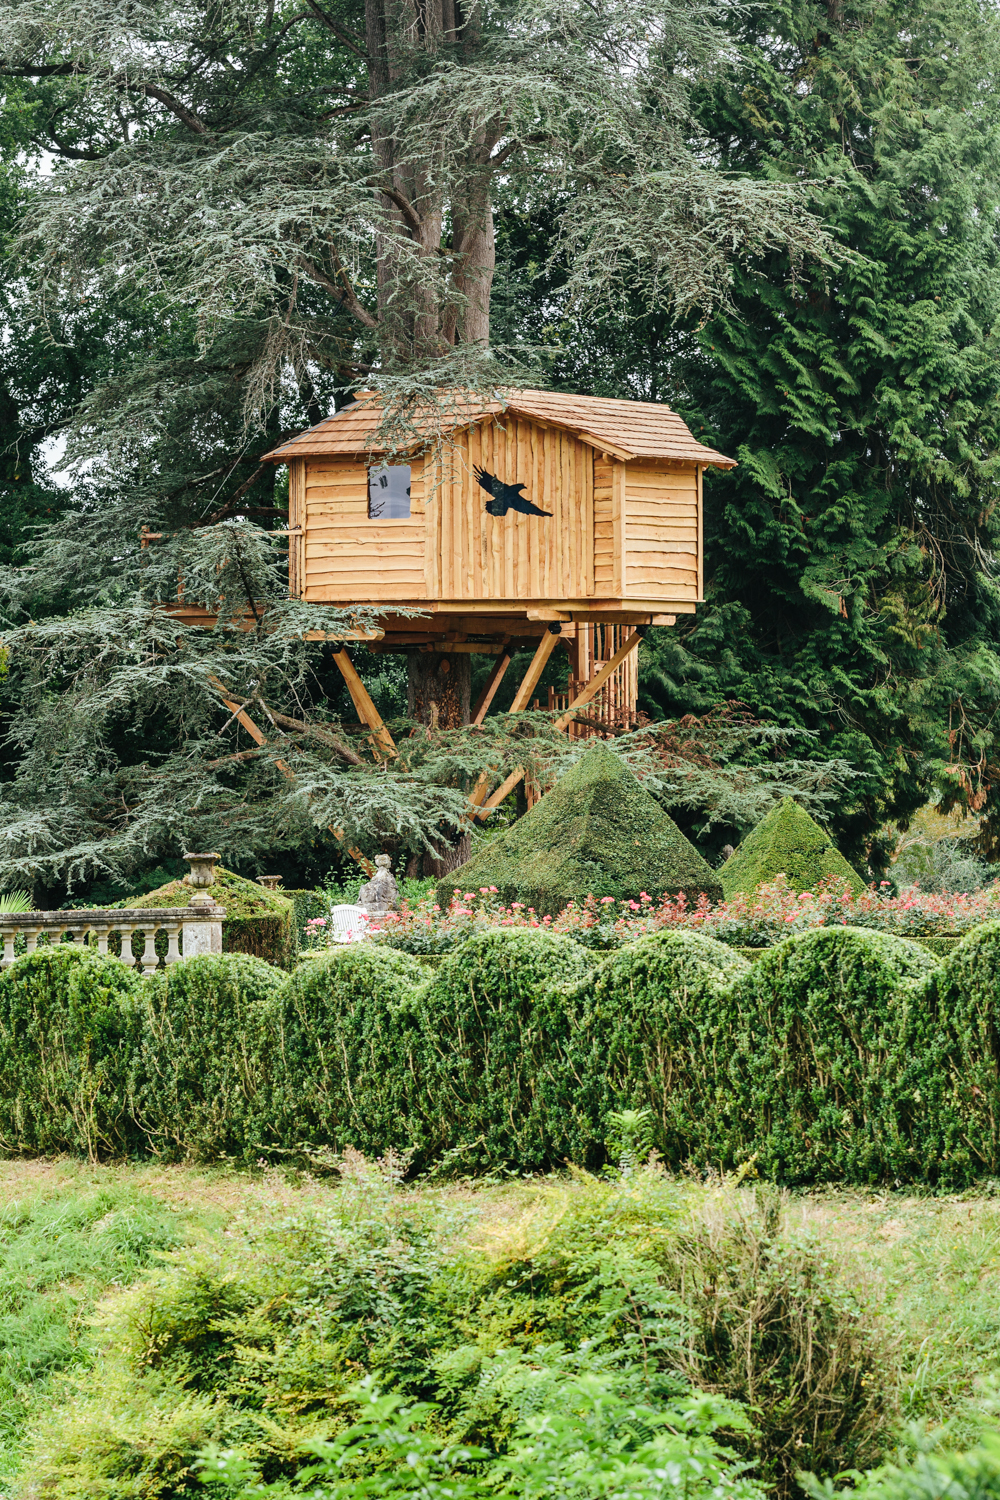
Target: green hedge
203,1071
69,1025
654,1032
258,922
839,1055
345,1073
493,1084
817,1035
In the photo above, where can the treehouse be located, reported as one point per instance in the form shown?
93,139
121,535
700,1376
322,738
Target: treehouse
549,517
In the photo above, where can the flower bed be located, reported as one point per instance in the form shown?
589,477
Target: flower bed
759,921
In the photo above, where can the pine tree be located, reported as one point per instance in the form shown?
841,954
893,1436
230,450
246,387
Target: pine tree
850,554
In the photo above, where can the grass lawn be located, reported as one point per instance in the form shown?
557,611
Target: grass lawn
74,1237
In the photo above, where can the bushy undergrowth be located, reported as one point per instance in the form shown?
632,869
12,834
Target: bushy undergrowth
619,1309
61,1250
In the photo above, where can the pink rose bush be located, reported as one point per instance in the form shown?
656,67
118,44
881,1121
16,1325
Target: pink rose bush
773,913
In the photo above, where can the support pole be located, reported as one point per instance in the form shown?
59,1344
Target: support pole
367,711
489,691
543,651
594,686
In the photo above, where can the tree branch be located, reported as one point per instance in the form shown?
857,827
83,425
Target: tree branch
299,726
153,91
345,297
355,43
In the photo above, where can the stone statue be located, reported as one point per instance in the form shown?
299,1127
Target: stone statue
380,894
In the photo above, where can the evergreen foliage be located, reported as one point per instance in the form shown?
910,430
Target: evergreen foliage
69,1023
202,1072
597,832
578,1317
788,842
819,1059
257,921
348,1038
954,1093
651,1031
844,555
495,1022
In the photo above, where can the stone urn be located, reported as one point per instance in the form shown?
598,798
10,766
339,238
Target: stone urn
202,872
269,882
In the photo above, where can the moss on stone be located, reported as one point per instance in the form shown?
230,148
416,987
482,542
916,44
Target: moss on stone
257,921
791,843
596,833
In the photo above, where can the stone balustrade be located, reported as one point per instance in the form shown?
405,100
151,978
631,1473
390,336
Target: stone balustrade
192,929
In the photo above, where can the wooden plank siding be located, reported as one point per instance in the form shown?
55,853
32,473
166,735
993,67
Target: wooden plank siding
628,531
662,531
347,557
475,556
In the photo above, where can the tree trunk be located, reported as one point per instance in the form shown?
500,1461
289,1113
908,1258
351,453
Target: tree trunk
421,310
439,691
439,694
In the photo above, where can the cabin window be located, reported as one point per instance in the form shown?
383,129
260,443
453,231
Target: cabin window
389,493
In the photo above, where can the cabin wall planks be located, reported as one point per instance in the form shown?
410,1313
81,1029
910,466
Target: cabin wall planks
662,531
618,531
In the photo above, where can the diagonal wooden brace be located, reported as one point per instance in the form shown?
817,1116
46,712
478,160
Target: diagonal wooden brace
367,712
594,686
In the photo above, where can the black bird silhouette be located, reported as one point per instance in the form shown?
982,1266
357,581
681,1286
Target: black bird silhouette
505,496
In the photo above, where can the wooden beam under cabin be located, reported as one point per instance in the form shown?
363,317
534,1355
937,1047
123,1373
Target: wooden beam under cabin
593,687
367,711
492,683
545,648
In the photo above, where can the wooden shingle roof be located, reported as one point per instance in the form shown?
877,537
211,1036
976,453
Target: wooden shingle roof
627,429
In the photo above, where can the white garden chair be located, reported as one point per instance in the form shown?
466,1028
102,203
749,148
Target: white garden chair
348,924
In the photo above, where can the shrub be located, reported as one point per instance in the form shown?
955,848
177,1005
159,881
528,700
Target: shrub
952,1089
598,832
258,922
818,1041
68,1026
492,1068
200,1084
344,1076
653,1033
788,842
774,1326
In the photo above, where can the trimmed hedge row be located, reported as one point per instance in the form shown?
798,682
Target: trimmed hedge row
840,1055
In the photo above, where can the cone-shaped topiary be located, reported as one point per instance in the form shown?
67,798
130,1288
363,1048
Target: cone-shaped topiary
788,842
596,833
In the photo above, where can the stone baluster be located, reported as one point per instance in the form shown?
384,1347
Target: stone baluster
8,948
103,932
173,943
147,956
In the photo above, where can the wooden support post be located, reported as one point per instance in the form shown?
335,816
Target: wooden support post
503,790
492,683
544,650
594,686
367,712
261,739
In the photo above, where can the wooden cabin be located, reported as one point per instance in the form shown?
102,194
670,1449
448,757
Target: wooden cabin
556,512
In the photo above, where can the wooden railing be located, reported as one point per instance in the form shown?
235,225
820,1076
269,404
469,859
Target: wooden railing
189,930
